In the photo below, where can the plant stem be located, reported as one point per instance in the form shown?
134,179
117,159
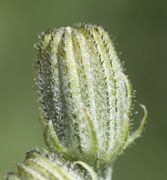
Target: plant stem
106,174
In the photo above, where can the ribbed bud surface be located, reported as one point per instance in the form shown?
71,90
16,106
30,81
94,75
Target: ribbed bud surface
85,95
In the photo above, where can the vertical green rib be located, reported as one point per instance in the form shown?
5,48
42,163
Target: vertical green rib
87,82
49,84
120,81
84,90
67,100
99,86
75,101
88,67
110,83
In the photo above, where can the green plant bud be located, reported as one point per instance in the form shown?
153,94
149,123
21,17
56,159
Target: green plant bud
42,165
85,95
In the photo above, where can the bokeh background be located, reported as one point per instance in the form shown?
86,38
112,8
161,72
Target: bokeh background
139,29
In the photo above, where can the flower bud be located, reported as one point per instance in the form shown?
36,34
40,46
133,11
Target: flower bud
85,95
43,165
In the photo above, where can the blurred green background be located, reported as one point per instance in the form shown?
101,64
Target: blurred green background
139,28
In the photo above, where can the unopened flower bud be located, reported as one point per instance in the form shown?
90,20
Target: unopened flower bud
85,95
